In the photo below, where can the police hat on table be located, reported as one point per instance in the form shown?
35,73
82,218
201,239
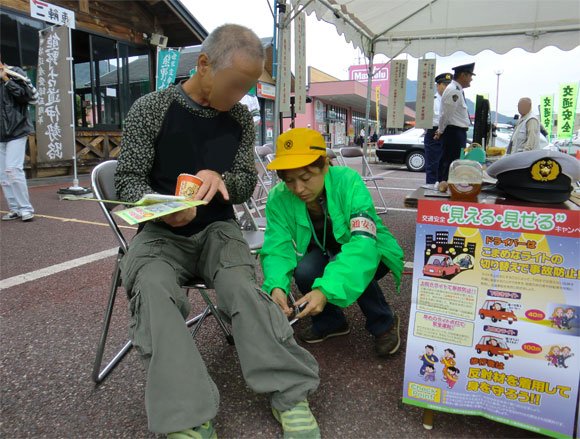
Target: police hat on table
444,78
297,148
539,176
467,68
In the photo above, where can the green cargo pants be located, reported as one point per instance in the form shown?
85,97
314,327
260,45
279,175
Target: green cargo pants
180,393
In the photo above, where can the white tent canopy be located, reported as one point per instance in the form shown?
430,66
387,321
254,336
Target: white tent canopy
417,27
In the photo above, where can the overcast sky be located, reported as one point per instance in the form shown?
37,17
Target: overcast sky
524,74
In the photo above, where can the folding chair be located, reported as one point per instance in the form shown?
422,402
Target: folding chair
102,179
368,177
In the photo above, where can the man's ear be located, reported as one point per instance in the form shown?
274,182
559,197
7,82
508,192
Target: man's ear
204,64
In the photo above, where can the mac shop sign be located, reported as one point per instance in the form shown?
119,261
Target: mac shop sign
380,78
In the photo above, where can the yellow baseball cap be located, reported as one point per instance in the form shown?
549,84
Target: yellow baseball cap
297,148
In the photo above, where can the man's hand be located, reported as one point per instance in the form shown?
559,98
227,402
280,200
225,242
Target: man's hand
3,73
181,218
212,183
279,296
437,135
316,303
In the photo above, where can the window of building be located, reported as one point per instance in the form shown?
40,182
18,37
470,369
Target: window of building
108,75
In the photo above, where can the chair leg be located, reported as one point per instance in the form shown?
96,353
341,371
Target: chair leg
385,210
218,318
99,375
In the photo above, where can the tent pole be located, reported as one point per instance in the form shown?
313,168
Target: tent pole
280,4
368,107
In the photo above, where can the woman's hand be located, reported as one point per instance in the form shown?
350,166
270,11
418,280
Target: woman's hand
279,296
316,301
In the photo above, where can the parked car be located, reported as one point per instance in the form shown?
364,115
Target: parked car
493,346
497,310
408,148
405,148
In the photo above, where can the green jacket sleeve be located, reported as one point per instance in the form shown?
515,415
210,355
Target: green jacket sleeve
346,278
278,256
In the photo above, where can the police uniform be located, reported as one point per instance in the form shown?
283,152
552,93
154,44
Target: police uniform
433,148
453,122
538,176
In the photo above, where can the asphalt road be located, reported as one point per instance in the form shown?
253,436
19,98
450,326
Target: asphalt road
54,281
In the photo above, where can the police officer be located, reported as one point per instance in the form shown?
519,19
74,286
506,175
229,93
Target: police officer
433,148
454,119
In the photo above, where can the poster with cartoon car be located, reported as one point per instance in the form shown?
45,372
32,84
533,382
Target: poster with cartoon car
493,346
497,310
441,266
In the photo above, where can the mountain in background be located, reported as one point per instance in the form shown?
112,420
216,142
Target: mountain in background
411,96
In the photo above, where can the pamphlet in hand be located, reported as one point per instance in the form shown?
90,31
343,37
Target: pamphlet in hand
149,207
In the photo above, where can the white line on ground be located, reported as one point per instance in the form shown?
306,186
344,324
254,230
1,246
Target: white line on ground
43,272
392,188
400,209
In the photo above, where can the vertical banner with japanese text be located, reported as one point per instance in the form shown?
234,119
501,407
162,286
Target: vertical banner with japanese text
547,113
494,323
567,110
300,63
397,89
285,72
54,113
425,94
167,61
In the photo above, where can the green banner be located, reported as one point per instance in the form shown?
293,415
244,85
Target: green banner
547,113
567,110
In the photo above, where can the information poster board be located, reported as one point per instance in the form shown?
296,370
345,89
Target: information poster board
493,328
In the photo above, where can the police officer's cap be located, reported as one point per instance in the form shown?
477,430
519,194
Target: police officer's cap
444,78
467,68
539,176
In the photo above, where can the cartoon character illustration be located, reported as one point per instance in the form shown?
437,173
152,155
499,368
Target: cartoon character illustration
441,266
465,262
452,376
557,317
552,356
493,346
448,361
429,373
568,317
428,359
564,355
498,310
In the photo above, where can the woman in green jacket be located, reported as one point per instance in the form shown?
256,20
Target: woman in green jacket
323,230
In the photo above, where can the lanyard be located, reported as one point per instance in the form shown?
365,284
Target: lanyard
323,245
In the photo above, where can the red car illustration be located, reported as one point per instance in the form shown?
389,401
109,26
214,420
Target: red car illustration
440,266
497,310
493,346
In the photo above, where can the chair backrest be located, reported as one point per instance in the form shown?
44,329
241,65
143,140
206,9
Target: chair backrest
351,151
264,150
103,182
330,153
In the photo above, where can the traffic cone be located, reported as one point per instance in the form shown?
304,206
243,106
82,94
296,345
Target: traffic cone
578,154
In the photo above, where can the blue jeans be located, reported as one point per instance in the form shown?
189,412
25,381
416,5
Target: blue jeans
372,301
12,178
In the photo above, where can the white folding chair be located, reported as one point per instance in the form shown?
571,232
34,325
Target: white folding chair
368,177
102,179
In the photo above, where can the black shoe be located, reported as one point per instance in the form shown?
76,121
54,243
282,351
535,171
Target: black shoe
309,336
388,343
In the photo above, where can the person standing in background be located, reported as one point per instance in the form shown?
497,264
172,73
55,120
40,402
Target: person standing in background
454,119
433,148
526,135
16,93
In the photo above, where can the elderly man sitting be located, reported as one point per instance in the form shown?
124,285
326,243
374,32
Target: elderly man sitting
198,127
